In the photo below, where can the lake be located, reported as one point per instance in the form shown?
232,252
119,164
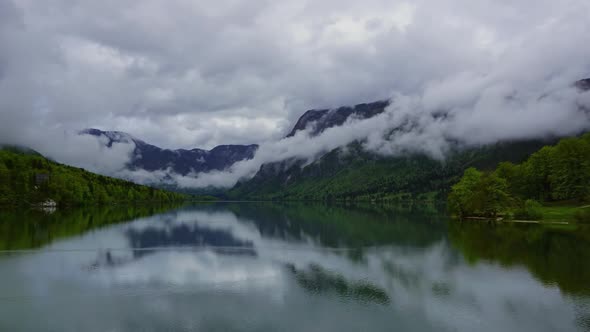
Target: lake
288,267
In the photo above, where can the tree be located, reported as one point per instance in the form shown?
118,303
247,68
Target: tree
537,172
570,169
478,193
491,195
515,178
461,198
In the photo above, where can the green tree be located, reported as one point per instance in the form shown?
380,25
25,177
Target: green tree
462,196
515,178
537,173
491,196
570,169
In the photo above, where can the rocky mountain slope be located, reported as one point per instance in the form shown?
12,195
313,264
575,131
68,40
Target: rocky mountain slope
152,158
319,120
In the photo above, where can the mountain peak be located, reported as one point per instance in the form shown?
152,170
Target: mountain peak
112,136
319,120
153,158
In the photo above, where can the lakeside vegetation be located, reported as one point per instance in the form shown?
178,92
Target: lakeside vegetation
28,178
552,184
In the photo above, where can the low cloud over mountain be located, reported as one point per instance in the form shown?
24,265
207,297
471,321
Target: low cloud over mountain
201,74
405,124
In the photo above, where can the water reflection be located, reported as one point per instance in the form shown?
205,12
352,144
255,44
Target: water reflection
317,280
25,229
297,267
554,255
184,235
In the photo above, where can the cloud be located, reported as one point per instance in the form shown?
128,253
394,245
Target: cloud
416,124
83,151
184,74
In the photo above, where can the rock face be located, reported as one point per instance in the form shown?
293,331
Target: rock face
152,158
319,120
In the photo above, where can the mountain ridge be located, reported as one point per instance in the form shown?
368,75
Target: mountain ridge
322,119
182,161
188,162
359,174
290,177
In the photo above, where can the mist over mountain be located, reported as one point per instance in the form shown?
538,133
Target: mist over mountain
317,121
357,171
322,143
437,77
151,158
176,168
402,112
434,124
354,136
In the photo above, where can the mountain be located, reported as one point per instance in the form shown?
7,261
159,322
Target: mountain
319,120
352,173
344,173
28,178
19,149
152,158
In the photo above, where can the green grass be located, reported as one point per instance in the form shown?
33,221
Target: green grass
559,211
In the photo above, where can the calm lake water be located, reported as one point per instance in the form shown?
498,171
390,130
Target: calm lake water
287,267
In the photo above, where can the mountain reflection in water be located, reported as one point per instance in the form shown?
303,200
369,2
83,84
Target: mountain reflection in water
293,267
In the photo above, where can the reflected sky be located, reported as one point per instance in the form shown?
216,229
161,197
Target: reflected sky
224,268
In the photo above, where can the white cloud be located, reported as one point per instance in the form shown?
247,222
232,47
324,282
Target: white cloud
184,74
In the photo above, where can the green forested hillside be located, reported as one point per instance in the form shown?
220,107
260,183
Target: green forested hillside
28,178
353,174
554,173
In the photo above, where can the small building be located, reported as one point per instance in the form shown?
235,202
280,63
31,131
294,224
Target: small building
48,203
48,206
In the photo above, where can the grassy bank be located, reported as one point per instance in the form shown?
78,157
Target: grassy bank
565,212
554,213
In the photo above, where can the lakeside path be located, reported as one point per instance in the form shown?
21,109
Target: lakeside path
521,221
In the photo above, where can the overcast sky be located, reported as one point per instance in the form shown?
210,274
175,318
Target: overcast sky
180,73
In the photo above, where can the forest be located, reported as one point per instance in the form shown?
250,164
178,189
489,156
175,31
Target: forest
558,174
354,174
28,178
